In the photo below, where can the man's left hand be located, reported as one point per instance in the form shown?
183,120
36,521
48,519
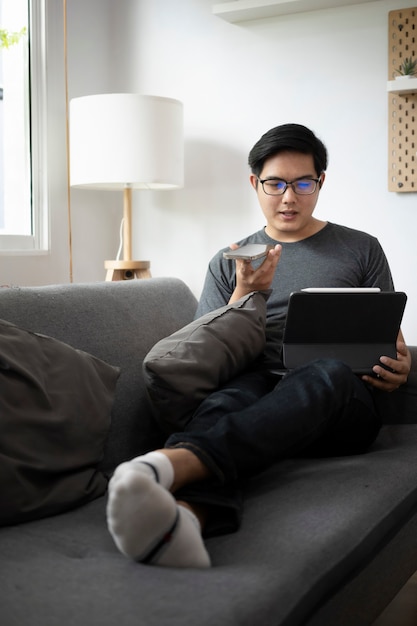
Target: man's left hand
397,372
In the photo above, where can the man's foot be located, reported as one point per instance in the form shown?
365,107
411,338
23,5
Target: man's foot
146,522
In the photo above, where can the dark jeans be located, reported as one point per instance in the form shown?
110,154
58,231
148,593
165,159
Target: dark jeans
321,409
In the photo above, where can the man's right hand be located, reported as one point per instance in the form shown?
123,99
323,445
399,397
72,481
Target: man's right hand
249,279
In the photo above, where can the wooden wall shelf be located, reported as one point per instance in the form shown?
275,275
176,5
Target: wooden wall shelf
402,86
402,103
243,10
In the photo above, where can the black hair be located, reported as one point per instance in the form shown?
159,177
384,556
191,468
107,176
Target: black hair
288,137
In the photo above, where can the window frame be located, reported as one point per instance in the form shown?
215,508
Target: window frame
38,241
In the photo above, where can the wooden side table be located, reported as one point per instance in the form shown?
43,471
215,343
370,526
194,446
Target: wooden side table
127,270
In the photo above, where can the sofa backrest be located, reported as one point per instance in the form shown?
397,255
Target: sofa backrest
118,322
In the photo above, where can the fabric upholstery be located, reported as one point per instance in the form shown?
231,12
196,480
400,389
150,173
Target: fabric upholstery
332,539
309,526
118,322
182,369
55,405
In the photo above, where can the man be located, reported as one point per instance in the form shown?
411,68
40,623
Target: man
159,503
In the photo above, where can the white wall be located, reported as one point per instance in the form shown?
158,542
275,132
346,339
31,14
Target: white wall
326,69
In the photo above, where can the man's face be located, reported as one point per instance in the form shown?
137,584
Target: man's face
289,216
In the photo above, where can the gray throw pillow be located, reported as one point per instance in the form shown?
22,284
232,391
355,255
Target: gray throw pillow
55,406
182,369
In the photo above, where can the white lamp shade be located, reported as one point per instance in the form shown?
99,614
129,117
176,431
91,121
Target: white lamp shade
126,140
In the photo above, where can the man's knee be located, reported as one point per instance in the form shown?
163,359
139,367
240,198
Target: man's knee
333,372
332,365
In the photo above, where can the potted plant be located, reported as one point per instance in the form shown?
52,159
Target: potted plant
408,68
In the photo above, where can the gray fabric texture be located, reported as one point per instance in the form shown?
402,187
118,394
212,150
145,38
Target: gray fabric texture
55,405
117,323
311,528
308,527
302,264
184,368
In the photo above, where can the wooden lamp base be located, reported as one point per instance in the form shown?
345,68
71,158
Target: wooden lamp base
127,270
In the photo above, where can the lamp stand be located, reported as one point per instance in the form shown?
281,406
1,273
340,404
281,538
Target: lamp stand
127,269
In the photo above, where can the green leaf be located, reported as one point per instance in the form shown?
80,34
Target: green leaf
408,67
8,38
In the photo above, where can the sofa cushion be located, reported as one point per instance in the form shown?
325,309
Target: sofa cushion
182,369
311,527
55,405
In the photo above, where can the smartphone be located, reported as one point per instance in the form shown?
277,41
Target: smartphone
249,252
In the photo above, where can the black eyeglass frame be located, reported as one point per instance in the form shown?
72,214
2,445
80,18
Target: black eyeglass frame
288,183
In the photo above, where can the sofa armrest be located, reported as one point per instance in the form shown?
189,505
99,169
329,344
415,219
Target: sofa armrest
400,406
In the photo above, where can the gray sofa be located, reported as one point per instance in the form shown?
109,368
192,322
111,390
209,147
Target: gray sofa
323,542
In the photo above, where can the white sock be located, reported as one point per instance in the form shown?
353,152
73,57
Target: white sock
159,465
147,524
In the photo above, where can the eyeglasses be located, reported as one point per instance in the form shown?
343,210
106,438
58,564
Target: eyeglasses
277,187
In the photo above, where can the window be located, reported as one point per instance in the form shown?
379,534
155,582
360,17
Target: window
22,136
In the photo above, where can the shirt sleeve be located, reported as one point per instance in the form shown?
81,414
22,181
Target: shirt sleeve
378,272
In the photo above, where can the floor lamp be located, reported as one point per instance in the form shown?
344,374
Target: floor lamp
126,142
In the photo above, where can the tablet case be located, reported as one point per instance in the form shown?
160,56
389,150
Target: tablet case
356,327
